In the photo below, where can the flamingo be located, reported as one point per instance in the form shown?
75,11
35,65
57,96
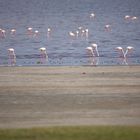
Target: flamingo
80,28
92,15
87,32
36,33
49,32
49,29
121,50
124,54
44,55
93,59
43,51
128,49
134,18
72,34
2,33
108,27
90,49
12,56
127,17
30,31
13,31
82,32
95,47
77,33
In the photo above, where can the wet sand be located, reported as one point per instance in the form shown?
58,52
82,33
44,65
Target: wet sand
82,95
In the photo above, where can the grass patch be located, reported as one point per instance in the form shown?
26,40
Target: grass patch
73,133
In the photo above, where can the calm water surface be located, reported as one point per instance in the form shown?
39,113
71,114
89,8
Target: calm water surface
63,16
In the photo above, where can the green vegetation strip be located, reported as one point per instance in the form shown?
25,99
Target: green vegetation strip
73,133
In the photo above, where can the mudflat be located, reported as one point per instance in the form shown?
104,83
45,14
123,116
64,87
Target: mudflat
69,95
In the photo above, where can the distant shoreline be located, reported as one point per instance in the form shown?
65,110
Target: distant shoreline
133,65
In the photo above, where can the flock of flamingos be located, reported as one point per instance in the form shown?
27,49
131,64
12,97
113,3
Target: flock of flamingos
92,49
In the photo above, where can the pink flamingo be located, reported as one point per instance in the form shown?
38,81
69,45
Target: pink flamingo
127,17
90,49
30,31
87,32
93,59
13,31
128,49
44,55
36,33
134,18
92,15
12,56
95,47
124,54
108,27
77,33
71,34
49,32
2,33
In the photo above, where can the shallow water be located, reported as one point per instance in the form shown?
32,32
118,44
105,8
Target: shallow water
67,15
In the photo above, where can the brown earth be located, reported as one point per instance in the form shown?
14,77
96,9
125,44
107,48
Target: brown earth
83,95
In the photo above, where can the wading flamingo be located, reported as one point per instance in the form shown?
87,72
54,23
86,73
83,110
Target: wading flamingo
82,32
127,17
128,49
124,54
2,33
36,33
95,47
93,59
108,27
80,28
43,54
12,56
30,31
77,33
92,15
90,49
72,34
121,50
49,32
87,32
13,31
134,18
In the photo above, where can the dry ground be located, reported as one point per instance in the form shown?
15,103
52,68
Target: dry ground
46,96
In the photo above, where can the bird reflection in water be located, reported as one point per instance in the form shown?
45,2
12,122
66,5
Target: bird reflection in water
124,54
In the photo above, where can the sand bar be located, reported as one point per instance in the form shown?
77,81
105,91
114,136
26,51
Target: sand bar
77,95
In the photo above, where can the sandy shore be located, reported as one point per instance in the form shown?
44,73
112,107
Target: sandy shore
46,96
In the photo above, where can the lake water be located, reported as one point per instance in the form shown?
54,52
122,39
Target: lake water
63,16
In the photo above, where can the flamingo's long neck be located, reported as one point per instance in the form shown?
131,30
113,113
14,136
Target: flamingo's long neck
96,49
125,53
